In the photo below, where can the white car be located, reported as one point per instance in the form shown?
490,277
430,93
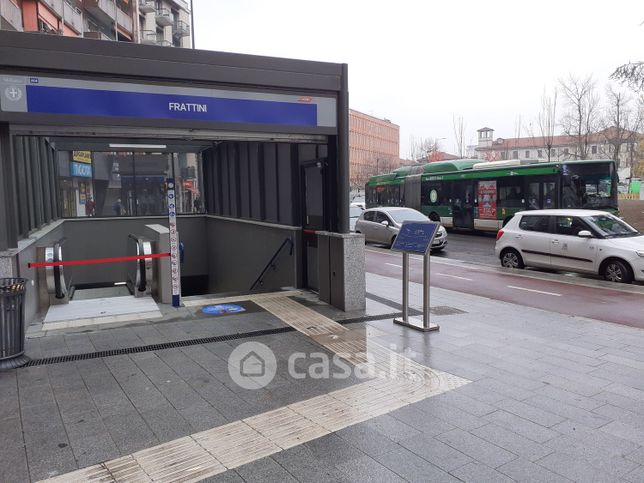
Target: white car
382,225
584,241
354,214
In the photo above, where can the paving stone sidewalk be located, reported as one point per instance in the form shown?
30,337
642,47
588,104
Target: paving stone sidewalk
552,398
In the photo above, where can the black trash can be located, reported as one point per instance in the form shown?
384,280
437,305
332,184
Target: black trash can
12,322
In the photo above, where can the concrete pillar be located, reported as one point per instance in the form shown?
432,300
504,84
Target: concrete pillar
341,269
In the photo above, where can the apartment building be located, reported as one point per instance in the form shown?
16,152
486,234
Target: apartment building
374,147
156,22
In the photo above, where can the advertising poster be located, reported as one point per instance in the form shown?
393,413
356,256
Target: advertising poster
82,156
487,200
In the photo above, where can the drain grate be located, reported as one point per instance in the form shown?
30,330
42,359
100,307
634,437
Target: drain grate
437,310
187,343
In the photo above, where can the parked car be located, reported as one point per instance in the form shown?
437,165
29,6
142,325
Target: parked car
354,212
585,241
381,225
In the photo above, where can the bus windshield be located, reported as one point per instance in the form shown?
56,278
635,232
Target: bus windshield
590,185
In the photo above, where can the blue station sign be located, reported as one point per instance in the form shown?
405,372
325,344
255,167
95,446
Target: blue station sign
80,170
416,237
45,95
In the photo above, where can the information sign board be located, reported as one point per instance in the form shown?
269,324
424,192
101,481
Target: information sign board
416,237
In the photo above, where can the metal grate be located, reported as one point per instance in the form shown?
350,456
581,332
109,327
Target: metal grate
186,343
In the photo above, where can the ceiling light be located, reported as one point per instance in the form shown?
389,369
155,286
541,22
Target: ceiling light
139,146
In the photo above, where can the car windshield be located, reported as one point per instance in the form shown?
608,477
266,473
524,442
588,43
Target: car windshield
354,212
406,215
611,227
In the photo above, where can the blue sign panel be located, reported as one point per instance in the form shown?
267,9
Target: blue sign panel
223,309
82,170
415,236
144,105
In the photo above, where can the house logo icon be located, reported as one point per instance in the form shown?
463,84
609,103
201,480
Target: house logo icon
252,365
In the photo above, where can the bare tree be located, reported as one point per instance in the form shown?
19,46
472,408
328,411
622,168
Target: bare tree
581,119
459,135
422,148
631,74
621,123
547,120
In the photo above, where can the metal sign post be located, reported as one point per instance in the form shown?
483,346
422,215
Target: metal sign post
174,244
416,238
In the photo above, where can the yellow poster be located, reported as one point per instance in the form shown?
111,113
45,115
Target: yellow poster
82,156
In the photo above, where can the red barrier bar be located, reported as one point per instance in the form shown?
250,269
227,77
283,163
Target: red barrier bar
97,260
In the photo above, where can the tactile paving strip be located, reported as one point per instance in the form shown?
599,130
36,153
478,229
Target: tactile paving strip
397,381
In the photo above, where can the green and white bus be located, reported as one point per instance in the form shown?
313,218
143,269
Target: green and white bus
476,195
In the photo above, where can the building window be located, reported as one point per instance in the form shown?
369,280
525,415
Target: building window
539,153
593,149
565,151
503,155
515,154
527,153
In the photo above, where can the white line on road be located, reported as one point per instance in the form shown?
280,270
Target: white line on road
535,291
393,265
454,276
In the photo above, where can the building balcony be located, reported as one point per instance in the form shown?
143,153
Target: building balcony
10,16
164,17
124,19
73,16
102,10
150,37
181,29
55,6
147,6
95,34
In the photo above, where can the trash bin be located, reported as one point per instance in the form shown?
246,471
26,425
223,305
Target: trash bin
12,322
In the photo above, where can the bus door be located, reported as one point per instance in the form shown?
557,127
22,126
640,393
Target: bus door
541,192
463,204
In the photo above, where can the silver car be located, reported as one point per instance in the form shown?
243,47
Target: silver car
381,225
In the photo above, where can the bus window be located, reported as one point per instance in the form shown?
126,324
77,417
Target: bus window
589,185
510,193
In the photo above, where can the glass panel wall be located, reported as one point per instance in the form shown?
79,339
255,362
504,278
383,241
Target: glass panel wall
109,184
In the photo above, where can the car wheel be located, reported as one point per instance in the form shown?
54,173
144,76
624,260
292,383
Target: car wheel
510,258
617,271
434,216
436,250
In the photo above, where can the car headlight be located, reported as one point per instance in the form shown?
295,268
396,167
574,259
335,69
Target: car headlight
640,253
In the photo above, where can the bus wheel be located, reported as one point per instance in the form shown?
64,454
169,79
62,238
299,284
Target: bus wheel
434,216
617,271
510,258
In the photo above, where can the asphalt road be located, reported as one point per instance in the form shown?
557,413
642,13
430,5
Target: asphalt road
468,265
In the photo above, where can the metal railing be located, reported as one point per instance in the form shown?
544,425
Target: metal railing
10,15
55,276
272,262
181,28
96,34
140,272
151,37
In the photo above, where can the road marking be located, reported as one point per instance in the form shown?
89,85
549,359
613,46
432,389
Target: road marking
535,291
393,265
454,276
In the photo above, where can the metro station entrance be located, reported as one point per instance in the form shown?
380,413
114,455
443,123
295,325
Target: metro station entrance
257,149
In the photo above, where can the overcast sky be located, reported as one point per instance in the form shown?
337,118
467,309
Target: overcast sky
419,63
